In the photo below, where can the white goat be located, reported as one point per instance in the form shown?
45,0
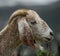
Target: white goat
25,26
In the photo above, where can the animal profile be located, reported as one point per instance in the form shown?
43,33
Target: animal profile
24,27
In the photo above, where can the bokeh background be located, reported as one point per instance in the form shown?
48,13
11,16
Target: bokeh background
49,10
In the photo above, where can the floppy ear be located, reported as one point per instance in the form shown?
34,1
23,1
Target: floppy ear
25,32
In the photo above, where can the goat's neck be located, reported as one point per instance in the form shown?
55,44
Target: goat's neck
9,40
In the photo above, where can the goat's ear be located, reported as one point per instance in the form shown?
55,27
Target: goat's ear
25,32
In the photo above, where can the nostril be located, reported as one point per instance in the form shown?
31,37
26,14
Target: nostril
51,33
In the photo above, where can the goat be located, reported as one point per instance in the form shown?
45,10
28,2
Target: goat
24,27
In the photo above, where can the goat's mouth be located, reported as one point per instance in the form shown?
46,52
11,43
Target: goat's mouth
41,39
48,39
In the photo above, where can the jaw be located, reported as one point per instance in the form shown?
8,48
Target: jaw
40,38
38,41
38,45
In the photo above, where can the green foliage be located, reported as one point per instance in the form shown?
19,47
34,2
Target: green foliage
41,53
45,53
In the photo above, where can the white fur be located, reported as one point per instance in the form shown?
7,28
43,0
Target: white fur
3,29
43,29
21,24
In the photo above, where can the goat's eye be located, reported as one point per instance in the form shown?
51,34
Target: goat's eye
33,22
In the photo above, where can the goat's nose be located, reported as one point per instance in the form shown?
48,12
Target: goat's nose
51,33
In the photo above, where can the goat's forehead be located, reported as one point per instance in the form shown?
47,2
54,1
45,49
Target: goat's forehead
34,16
32,13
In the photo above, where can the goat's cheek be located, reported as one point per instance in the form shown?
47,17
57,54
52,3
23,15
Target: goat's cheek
35,30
